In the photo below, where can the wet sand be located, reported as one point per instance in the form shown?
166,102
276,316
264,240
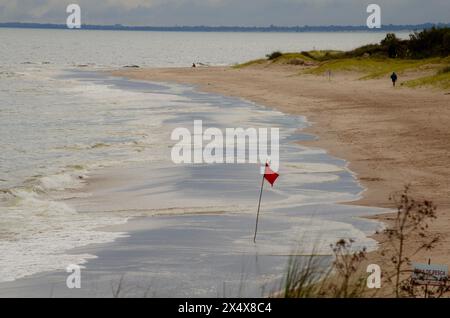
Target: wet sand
390,136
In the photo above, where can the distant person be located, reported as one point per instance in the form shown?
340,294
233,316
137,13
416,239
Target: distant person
394,78
193,65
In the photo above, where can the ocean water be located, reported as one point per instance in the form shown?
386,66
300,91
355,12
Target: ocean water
119,48
82,151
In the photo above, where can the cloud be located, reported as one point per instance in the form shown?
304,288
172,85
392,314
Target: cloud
225,12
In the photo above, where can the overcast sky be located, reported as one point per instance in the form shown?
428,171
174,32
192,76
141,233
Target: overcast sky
226,12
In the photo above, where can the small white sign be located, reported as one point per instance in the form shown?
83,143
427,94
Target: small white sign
430,274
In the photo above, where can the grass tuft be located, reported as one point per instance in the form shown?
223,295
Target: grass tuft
373,68
439,80
250,63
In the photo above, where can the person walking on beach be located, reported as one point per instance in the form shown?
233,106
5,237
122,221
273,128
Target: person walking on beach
394,78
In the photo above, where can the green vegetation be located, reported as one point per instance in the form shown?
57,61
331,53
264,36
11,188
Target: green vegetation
434,42
322,55
250,63
426,52
279,58
377,67
440,80
313,278
289,56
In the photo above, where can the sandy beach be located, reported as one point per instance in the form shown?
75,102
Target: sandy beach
390,136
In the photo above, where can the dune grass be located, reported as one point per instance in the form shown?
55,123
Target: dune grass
309,56
372,68
323,54
337,276
285,58
289,56
439,80
320,62
424,53
250,63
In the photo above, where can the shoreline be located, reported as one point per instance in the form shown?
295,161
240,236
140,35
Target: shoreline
379,130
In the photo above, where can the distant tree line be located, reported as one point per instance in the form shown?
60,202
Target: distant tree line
201,28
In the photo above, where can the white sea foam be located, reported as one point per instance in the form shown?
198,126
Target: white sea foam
62,181
308,178
36,235
310,167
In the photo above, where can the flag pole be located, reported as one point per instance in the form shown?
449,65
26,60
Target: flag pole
259,205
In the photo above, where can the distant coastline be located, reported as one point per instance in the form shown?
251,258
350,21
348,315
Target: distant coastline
271,28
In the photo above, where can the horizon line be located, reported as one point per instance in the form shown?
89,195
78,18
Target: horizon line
272,27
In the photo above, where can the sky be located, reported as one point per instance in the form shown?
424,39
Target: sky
226,12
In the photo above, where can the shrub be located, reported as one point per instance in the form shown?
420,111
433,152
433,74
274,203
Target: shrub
314,276
429,43
412,219
274,55
432,42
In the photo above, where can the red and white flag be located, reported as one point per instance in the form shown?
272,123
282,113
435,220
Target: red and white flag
270,175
